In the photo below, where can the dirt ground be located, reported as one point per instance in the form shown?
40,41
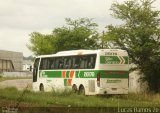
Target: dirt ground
20,84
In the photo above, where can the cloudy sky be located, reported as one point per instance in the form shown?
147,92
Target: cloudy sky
19,18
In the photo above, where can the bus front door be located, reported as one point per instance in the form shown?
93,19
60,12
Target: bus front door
35,70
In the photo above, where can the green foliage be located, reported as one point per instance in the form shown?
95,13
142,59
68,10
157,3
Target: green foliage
152,72
139,35
77,34
41,44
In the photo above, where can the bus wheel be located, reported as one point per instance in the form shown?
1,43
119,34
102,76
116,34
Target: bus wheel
41,87
74,88
81,90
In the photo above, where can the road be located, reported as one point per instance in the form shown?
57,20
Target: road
20,84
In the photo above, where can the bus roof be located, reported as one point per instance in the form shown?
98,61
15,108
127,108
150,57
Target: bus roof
81,52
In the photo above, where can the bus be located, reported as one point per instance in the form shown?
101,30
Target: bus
88,72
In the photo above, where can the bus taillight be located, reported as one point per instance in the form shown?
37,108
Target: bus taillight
98,79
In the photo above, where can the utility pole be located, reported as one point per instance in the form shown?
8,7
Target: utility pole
102,39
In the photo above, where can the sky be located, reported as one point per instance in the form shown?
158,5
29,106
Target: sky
19,18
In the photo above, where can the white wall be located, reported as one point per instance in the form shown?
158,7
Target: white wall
135,83
16,74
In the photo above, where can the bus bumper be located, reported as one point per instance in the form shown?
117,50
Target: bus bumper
106,91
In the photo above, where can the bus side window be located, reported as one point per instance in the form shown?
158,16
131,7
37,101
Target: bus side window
83,62
70,62
76,62
48,63
45,64
92,61
51,63
89,63
56,63
42,65
67,62
61,63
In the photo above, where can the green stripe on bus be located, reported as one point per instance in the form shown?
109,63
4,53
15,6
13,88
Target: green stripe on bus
114,74
52,74
113,59
104,74
87,74
67,74
126,59
65,82
77,73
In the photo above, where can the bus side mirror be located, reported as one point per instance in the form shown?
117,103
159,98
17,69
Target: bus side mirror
30,68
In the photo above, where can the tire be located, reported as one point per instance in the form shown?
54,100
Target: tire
74,88
81,90
41,88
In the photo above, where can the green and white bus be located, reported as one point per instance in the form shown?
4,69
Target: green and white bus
89,72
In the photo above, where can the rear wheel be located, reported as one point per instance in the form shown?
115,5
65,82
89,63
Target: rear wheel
41,88
81,90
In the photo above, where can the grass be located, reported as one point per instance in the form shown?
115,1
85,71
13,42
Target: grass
69,102
69,99
66,99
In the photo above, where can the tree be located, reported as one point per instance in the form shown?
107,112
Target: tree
41,44
139,35
76,34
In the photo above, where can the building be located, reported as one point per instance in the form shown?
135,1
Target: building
27,65
136,85
10,61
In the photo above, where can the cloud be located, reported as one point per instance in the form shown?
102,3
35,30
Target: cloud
18,18
39,14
